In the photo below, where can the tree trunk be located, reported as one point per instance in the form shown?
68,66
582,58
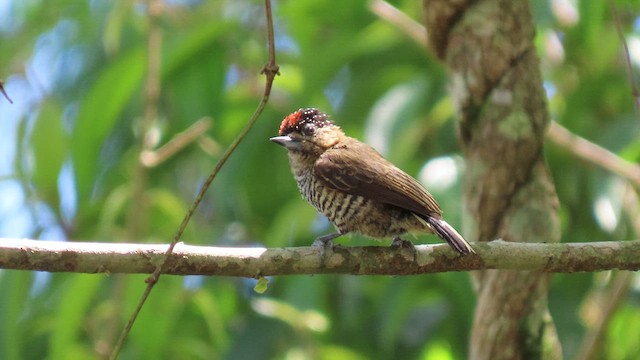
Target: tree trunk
497,89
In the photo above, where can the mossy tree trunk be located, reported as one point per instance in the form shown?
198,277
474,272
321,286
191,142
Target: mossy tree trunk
497,89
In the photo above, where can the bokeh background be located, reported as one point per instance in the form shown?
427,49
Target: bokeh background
73,167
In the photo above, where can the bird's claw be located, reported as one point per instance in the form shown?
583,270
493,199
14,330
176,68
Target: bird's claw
323,243
326,241
405,244
399,243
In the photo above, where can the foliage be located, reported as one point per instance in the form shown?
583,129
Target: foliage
77,71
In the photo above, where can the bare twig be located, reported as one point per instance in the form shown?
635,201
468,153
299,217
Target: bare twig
59,256
608,300
270,70
151,158
593,153
136,218
391,14
4,93
630,73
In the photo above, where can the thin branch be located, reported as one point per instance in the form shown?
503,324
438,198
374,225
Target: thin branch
271,67
580,147
4,92
270,70
136,218
151,158
630,73
609,301
396,17
58,256
593,153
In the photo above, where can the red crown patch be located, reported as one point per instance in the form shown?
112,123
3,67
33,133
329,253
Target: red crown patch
295,120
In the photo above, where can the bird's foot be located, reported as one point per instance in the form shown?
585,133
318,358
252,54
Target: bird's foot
325,244
326,241
400,244
320,243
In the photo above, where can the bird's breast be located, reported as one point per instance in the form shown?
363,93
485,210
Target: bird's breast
336,205
354,213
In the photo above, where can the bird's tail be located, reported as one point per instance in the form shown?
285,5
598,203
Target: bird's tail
450,235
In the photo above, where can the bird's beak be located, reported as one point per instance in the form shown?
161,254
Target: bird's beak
286,141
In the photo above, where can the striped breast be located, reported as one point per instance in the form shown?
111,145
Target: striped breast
353,213
343,210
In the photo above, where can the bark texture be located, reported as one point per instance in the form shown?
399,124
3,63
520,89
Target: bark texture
497,89
113,258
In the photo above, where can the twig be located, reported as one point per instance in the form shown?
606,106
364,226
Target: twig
270,70
630,74
593,153
580,147
391,14
151,158
4,92
86,257
610,299
209,146
136,218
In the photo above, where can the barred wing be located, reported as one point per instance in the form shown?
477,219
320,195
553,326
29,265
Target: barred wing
357,169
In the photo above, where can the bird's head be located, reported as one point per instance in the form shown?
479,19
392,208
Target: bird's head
308,131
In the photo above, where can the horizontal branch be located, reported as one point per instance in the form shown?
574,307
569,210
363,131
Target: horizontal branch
87,257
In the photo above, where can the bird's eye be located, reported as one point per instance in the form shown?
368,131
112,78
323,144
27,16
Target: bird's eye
308,129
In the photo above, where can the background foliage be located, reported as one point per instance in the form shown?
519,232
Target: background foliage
76,71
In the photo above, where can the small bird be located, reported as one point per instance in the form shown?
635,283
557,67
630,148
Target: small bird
355,187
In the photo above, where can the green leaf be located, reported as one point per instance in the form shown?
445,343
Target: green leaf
99,112
15,289
72,313
50,145
261,285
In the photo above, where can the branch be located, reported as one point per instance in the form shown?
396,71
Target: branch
630,74
593,153
152,158
399,19
86,257
605,304
270,70
137,217
4,92
562,137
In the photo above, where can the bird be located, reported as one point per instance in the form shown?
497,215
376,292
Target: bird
355,187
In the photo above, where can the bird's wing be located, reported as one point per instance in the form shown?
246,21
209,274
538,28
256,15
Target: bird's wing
358,169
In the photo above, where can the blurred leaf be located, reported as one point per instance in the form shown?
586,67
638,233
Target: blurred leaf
292,224
74,304
211,311
113,211
159,320
14,295
438,351
99,111
167,210
624,329
342,353
113,26
50,145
